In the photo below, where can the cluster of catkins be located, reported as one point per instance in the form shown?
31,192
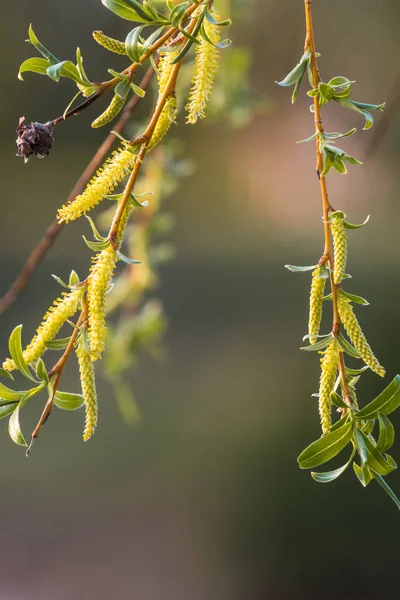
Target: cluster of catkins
348,319
89,296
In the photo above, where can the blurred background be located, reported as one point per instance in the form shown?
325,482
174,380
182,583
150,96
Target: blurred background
203,499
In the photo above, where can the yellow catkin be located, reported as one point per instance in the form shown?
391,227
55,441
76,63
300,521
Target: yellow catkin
110,113
62,309
106,179
206,64
329,366
169,111
357,336
86,370
109,43
316,302
99,280
164,122
340,248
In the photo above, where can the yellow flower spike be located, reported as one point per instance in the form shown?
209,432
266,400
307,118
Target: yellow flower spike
206,64
142,276
329,366
106,179
357,336
88,383
110,113
169,111
164,122
340,248
109,43
99,280
165,68
316,302
62,309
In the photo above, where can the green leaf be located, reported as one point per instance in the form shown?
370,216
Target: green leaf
338,136
129,10
360,445
60,281
4,373
387,488
385,403
34,65
14,428
65,68
189,43
96,234
329,476
338,82
338,401
386,433
59,344
351,226
96,246
138,90
356,299
15,348
310,139
67,401
7,409
8,394
361,107
347,347
296,269
39,46
178,13
319,345
73,279
327,447
41,370
363,473
297,73
129,261
132,44
375,459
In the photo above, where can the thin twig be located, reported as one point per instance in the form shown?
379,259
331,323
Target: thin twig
326,205
53,231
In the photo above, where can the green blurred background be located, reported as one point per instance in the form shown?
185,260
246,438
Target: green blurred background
203,500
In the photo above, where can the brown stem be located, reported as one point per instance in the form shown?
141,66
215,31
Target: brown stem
52,232
326,205
57,372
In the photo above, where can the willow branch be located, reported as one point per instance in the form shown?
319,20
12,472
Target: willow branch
56,373
326,205
54,229
107,85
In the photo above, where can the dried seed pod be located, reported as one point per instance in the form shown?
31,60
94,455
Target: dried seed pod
109,43
357,336
88,383
106,179
111,111
100,276
329,366
34,138
316,302
206,64
62,309
340,248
